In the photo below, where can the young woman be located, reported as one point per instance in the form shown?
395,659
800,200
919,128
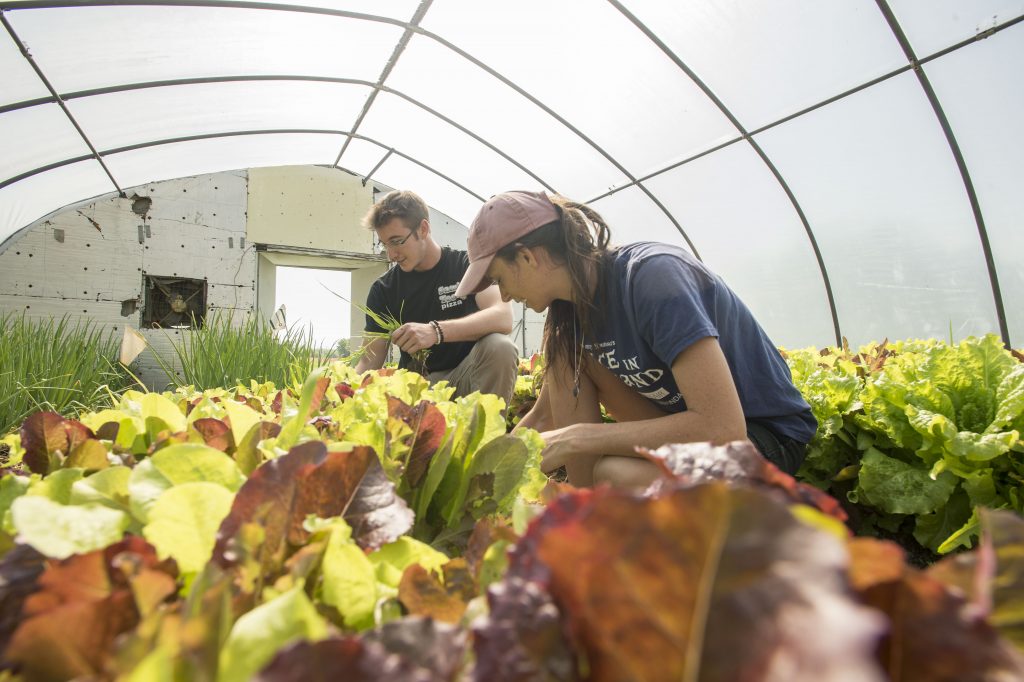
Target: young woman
644,329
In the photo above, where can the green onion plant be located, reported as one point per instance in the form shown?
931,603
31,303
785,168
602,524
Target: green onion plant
56,364
389,324
222,353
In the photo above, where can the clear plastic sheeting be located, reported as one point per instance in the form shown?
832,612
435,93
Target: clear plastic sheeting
435,189
79,48
37,195
632,215
650,110
764,61
459,89
934,25
464,159
396,9
758,245
195,157
20,82
851,168
987,120
361,157
916,257
217,108
24,149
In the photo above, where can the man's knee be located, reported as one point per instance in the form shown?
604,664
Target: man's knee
495,363
497,348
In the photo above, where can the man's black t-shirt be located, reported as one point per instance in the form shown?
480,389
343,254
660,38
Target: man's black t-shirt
422,297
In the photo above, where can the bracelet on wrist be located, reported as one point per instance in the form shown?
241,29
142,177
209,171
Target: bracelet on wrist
437,331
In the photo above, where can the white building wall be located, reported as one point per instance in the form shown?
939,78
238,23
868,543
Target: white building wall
89,261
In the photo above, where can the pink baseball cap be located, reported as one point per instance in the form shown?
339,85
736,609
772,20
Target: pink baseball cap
502,219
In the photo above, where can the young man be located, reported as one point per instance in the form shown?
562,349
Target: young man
467,338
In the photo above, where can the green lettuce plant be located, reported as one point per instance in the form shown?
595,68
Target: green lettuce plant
246,533
919,430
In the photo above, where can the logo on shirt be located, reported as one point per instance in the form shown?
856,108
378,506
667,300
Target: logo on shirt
643,381
446,295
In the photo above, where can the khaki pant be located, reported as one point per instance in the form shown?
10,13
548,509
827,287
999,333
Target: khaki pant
491,367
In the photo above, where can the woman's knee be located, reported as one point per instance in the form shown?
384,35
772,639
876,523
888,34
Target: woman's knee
625,472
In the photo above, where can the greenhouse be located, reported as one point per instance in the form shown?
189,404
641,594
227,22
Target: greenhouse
201,482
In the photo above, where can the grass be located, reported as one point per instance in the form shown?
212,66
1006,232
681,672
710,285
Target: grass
54,364
223,354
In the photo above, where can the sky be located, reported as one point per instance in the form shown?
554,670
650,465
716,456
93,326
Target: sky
307,302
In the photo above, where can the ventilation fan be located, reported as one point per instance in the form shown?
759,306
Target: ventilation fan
175,302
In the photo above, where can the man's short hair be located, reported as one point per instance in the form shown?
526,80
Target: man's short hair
403,204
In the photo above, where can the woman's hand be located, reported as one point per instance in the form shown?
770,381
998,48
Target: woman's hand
414,336
559,447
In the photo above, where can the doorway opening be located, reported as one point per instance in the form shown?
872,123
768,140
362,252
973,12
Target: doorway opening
310,299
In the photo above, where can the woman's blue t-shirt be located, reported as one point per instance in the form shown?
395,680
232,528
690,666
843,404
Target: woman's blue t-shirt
660,300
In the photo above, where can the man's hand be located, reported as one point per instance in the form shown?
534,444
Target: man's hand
414,336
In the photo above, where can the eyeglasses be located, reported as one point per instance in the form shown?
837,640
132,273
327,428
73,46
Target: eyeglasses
393,243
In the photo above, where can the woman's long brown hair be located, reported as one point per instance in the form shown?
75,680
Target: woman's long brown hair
579,240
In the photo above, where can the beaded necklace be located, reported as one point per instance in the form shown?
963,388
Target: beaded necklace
577,361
